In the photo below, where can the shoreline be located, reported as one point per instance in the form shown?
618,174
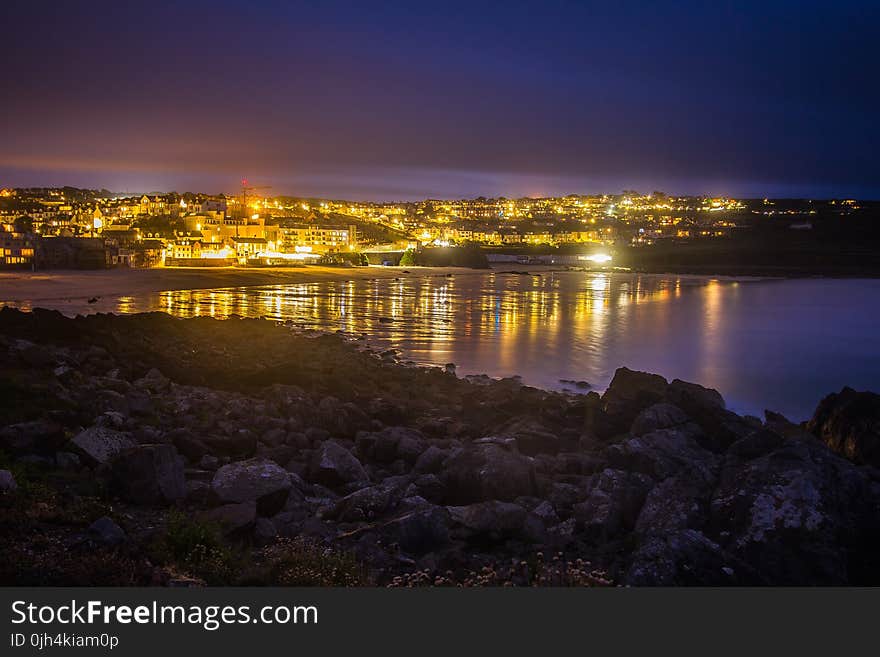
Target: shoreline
18,287
126,433
53,285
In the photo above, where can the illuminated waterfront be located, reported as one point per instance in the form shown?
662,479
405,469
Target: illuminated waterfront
779,343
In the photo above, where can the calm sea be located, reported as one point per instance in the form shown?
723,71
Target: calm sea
777,344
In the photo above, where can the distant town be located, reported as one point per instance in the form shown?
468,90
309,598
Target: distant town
71,228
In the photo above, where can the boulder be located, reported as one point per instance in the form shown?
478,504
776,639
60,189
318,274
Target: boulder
487,472
342,420
390,444
240,444
100,444
629,392
431,460
149,474
674,504
692,396
800,515
613,503
666,453
686,557
362,505
188,445
849,423
235,520
531,437
658,416
419,531
153,381
430,487
758,443
493,519
333,465
36,435
106,532
7,482
264,531
67,461
256,480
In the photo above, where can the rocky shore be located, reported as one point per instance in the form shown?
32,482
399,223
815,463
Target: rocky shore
144,449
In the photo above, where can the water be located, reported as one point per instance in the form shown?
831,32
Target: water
777,344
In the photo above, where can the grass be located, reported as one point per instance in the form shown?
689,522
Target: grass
198,549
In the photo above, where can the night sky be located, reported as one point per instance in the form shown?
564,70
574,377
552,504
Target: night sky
405,100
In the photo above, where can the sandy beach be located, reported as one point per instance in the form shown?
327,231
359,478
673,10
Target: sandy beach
22,286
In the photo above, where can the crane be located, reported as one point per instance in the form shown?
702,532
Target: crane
245,188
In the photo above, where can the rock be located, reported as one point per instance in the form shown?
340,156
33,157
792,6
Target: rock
100,444
139,402
274,437
36,435
235,520
209,462
419,531
363,505
106,532
149,474
7,482
333,465
487,472
686,557
240,444
154,381
630,392
431,460
564,496
692,396
264,531
188,445
546,513
390,444
849,423
613,503
111,419
67,461
198,492
531,437
706,408
658,416
256,480
758,443
665,453
430,487
111,401
799,515
342,420
674,504
494,519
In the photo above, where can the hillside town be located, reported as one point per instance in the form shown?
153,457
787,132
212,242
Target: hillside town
71,228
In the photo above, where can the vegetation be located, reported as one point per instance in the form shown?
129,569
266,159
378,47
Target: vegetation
198,548
301,562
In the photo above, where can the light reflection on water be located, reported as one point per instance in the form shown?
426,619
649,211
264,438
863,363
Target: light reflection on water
764,344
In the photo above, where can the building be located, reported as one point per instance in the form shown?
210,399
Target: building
318,238
16,249
73,253
250,247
